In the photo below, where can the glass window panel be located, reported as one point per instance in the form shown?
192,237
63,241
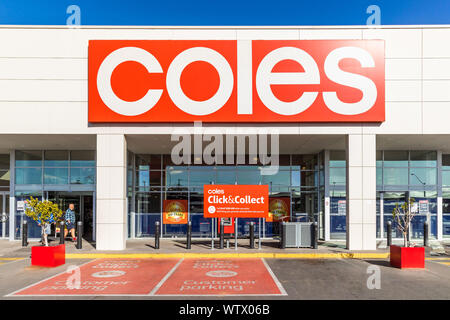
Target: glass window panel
379,176
417,227
130,157
446,178
201,227
446,204
202,175
379,158
56,175
148,161
28,158
196,202
155,178
309,178
446,161
28,176
143,180
82,175
281,178
395,159
4,161
337,158
337,176
446,225
390,200
295,178
420,176
4,178
428,196
145,224
226,175
82,158
423,158
148,202
304,161
56,158
248,175
395,176
338,226
176,176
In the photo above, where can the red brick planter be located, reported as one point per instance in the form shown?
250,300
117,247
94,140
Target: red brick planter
407,257
51,256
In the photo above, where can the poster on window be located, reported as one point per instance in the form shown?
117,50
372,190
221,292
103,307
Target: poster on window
175,212
279,209
20,205
342,207
424,207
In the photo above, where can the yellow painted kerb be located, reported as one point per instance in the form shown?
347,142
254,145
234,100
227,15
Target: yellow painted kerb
342,255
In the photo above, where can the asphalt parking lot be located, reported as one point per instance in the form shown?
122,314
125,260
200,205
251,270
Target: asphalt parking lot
299,279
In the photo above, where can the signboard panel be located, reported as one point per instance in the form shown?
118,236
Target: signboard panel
175,212
424,207
342,207
237,201
229,81
279,209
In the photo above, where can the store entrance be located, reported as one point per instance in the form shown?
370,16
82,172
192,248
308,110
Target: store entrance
84,208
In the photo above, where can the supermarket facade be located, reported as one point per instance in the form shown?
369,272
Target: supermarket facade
359,115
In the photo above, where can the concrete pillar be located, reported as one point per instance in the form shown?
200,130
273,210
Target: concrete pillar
361,191
111,192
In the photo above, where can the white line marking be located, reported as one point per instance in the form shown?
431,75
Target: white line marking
156,288
278,283
146,295
51,277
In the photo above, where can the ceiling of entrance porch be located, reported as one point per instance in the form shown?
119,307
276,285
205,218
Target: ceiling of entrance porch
288,144
414,142
46,142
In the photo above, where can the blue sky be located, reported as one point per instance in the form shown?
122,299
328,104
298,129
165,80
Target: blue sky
225,12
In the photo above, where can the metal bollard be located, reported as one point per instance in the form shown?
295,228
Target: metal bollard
426,234
61,232
283,235
252,235
24,234
389,233
79,235
157,235
189,235
222,235
315,235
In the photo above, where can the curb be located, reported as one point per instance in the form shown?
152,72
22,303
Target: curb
342,255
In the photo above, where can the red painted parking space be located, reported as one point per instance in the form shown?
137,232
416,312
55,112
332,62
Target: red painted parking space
221,277
105,277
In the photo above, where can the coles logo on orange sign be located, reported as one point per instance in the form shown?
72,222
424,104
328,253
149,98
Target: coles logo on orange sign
236,81
175,212
235,201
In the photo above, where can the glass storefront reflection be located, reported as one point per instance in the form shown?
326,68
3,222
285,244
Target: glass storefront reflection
297,174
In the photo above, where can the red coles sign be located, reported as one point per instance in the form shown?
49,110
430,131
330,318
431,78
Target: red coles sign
236,81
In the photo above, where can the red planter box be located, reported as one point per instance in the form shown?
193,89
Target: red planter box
404,257
51,256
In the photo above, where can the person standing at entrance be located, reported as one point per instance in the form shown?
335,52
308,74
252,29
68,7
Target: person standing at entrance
70,222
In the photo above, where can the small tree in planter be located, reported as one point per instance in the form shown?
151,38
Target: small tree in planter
403,216
44,213
407,256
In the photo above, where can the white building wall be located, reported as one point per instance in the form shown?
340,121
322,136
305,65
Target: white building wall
43,81
43,71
